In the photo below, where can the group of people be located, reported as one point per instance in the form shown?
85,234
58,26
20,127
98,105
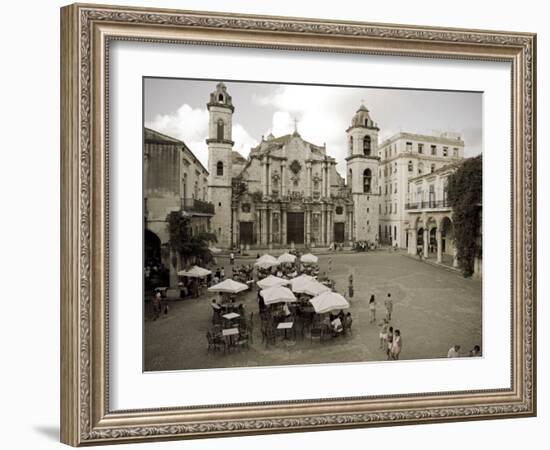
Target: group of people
454,351
365,246
391,340
340,322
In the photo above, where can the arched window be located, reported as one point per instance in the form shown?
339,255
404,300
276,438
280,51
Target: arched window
367,178
219,169
410,166
220,130
420,168
366,145
366,122
350,178
432,168
220,98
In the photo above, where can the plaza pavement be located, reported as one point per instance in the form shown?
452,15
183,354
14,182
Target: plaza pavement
433,307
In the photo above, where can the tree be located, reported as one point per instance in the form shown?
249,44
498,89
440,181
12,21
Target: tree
465,196
188,247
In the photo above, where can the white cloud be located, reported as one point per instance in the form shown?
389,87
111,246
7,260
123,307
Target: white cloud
323,114
191,126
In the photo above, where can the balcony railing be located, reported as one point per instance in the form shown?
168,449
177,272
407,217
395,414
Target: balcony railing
430,204
198,206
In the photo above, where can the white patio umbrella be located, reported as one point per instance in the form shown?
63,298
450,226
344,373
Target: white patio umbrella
277,294
328,301
297,284
314,288
309,258
215,249
286,258
266,261
195,272
228,286
272,281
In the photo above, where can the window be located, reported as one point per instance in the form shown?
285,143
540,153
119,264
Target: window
420,148
434,150
245,208
395,168
339,210
350,178
410,167
395,207
409,146
366,122
220,130
379,209
379,190
455,152
395,189
366,145
445,151
367,178
219,169
390,208
220,98
420,168
432,168
432,196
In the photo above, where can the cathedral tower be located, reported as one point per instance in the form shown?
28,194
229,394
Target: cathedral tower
362,174
220,147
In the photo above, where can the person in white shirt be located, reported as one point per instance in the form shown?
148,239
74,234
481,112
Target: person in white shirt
454,352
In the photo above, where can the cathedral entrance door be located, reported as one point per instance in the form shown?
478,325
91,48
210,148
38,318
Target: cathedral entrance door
246,236
295,227
339,228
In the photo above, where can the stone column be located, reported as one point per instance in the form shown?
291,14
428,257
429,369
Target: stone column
327,194
262,227
322,233
283,226
323,179
309,192
426,235
412,241
330,228
283,178
439,245
268,177
308,227
234,226
264,177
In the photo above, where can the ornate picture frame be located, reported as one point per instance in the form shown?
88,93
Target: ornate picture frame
86,32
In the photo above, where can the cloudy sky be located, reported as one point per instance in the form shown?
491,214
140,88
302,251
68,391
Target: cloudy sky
178,108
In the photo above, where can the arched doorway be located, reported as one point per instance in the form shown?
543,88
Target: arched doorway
419,240
155,274
432,246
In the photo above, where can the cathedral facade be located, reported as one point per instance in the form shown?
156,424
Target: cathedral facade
288,192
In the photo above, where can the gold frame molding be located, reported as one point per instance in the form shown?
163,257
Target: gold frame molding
86,31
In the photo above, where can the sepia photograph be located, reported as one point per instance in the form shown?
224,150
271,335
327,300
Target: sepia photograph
295,224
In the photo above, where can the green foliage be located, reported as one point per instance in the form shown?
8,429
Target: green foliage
190,248
465,195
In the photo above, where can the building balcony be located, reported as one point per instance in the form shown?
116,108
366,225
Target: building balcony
193,205
430,204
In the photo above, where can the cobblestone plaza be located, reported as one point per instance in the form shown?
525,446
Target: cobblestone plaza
434,307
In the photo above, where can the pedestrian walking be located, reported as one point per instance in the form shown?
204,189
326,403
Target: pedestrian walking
389,342
397,345
232,258
350,286
372,308
156,305
222,274
389,306
383,335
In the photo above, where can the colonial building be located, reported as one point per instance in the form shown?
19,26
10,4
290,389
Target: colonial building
403,157
428,218
287,192
174,181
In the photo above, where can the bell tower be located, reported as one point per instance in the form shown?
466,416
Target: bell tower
362,173
220,147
